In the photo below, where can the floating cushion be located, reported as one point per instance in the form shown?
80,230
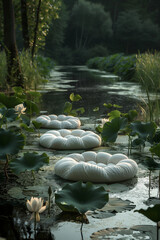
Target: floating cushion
67,139
59,122
96,167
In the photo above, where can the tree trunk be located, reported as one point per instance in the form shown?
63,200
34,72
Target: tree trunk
14,75
36,29
24,18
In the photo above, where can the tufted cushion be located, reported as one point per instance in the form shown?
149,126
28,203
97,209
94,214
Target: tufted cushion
67,139
96,167
59,122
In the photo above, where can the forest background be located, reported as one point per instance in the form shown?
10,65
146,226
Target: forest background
73,31
91,28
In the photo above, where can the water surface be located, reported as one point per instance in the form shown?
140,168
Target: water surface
96,88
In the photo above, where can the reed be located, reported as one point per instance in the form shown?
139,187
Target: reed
148,74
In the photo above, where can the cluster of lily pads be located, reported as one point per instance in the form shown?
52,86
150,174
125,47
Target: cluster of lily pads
15,122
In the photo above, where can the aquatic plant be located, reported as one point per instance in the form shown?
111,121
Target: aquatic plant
29,162
81,197
153,213
35,205
147,72
68,107
10,144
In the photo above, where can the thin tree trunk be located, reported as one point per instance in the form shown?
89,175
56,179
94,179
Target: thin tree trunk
14,75
24,18
36,29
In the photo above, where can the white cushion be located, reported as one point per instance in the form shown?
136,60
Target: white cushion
59,122
96,167
67,139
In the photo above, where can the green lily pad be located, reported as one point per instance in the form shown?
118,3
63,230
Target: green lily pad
81,197
9,114
114,114
155,150
131,115
153,213
75,98
67,107
143,130
10,142
29,162
111,129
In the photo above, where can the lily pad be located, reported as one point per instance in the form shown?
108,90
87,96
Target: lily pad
136,232
155,150
10,142
9,114
118,205
153,213
30,161
115,205
143,130
111,129
75,98
81,197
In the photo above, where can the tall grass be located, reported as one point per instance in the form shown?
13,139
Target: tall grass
148,74
34,73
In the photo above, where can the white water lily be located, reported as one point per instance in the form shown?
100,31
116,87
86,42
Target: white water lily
20,109
35,205
104,120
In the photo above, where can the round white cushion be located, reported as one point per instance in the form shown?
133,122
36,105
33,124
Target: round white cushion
59,122
67,139
96,167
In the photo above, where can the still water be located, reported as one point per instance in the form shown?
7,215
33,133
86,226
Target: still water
95,87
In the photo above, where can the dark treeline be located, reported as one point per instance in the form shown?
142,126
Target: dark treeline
89,28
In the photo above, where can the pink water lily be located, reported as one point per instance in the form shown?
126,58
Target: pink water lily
35,205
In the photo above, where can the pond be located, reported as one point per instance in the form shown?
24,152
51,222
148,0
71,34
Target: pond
95,87
117,219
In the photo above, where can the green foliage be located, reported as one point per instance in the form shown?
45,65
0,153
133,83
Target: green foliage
8,115
143,130
147,73
155,150
90,25
31,71
123,66
29,162
81,197
153,213
111,129
68,106
10,142
44,65
9,101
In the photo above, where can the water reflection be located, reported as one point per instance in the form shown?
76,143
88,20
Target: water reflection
96,87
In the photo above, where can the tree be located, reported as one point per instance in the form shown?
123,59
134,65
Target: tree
14,75
55,38
89,25
133,33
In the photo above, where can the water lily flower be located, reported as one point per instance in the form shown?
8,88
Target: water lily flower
35,205
104,120
20,109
